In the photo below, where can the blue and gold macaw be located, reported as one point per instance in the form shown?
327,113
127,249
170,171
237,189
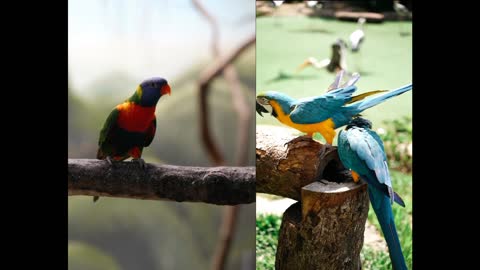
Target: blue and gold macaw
361,150
323,113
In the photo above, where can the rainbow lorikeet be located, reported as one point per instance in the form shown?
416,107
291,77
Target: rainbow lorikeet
361,150
132,124
322,113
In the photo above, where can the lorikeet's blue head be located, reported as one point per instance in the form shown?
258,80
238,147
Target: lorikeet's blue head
150,91
360,122
264,99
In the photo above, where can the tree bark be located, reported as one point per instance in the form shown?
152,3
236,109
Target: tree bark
284,170
326,230
215,185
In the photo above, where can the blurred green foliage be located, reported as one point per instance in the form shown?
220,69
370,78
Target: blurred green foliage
267,229
86,257
397,138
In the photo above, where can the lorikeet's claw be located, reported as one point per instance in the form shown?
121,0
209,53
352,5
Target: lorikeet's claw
110,161
141,162
299,139
326,149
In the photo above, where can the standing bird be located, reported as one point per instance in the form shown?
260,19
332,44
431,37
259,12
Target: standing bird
336,62
400,9
361,150
322,113
132,124
277,4
402,13
357,36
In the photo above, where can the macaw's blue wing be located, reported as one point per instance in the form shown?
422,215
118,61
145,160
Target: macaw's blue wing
318,109
362,151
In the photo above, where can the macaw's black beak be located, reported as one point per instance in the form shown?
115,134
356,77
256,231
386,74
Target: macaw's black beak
260,109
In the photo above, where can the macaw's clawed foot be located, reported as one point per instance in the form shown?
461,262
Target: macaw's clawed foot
326,149
141,162
303,138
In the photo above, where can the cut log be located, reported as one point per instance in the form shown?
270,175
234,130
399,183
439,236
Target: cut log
284,169
326,230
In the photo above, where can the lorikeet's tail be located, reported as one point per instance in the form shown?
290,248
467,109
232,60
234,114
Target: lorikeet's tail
383,210
368,103
100,154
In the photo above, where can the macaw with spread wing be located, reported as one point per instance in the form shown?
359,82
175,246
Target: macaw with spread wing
323,113
361,150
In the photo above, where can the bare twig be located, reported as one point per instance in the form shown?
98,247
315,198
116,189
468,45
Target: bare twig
215,185
229,221
243,114
230,215
213,25
205,79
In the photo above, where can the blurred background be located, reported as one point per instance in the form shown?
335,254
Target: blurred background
294,45
112,47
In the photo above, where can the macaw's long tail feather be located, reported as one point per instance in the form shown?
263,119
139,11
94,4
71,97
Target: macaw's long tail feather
383,210
398,200
364,95
368,103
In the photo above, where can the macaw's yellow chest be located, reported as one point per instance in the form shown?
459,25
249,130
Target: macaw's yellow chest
135,118
326,128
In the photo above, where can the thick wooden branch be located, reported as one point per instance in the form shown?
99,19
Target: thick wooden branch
215,185
284,169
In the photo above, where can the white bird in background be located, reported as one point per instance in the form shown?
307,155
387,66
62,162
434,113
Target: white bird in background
336,62
402,12
357,37
311,4
400,9
278,3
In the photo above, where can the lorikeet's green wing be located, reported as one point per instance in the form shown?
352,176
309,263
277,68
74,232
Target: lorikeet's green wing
151,132
318,109
105,133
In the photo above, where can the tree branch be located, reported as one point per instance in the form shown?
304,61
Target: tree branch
204,82
214,185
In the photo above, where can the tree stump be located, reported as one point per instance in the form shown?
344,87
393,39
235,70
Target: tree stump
325,230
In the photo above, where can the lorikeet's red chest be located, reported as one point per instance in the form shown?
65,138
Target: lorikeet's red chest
135,118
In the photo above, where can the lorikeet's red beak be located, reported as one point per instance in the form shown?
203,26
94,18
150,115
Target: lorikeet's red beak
165,90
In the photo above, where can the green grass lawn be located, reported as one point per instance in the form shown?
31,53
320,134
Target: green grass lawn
268,226
384,60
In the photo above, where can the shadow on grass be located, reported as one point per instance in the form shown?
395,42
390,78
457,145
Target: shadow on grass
282,76
311,30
